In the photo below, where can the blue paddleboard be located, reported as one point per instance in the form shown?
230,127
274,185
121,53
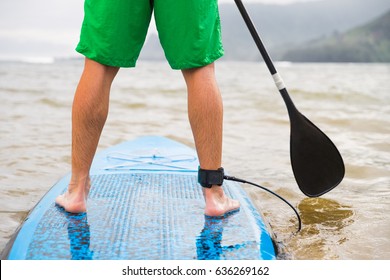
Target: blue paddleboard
145,203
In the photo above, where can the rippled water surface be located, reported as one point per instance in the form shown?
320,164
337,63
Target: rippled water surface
349,102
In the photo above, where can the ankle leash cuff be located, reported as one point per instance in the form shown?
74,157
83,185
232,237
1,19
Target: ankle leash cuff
208,178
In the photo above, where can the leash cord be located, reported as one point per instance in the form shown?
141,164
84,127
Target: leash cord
231,178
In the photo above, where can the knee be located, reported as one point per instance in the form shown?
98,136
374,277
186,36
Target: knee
100,70
205,72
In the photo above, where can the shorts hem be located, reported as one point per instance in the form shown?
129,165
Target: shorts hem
104,60
196,64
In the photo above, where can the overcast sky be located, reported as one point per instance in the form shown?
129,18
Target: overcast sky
46,28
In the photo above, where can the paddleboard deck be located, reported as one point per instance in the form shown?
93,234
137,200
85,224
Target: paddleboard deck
145,203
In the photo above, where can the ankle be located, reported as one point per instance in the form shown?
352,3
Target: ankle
215,192
79,179
79,184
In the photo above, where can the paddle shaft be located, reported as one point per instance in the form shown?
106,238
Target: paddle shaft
267,59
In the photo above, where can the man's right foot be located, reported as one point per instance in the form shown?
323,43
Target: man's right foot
217,203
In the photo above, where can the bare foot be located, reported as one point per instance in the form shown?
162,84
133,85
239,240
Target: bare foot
217,203
74,200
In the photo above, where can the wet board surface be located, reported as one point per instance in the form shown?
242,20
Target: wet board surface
145,203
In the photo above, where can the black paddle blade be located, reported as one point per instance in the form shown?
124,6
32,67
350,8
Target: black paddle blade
317,164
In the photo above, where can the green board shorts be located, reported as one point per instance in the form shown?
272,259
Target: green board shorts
113,32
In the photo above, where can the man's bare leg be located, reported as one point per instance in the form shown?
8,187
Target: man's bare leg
205,111
89,114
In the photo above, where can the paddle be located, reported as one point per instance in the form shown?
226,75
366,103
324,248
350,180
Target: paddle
317,164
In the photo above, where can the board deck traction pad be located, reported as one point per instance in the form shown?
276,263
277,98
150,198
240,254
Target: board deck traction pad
145,203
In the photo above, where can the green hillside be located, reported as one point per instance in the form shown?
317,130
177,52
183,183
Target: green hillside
367,43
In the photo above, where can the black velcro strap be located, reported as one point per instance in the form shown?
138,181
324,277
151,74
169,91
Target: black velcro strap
208,178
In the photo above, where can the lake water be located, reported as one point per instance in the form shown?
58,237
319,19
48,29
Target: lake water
349,102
